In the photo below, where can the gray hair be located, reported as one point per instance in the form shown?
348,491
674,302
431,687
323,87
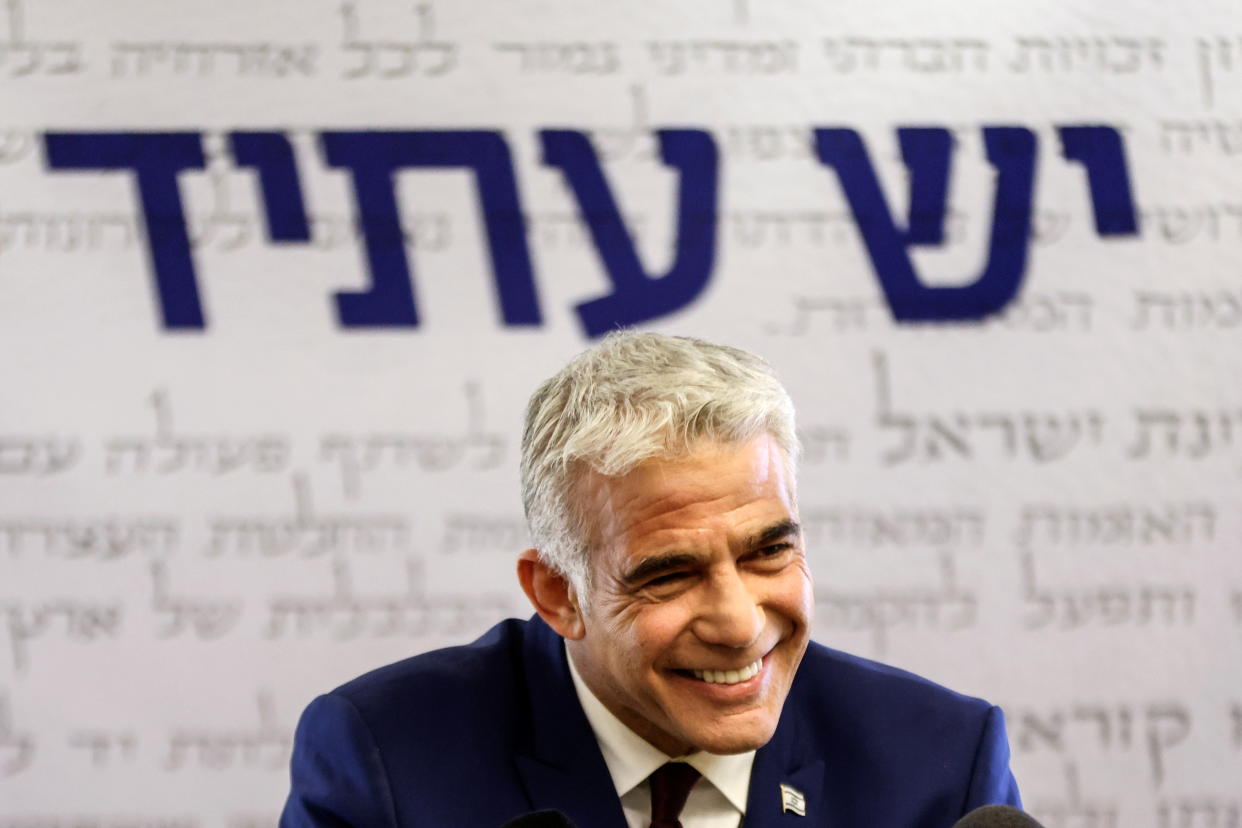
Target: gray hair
633,397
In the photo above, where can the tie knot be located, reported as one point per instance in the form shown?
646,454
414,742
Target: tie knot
670,787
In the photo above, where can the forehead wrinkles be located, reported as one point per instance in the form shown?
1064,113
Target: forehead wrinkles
682,513
716,481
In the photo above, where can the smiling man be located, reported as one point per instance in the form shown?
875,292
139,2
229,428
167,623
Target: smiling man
696,615
667,678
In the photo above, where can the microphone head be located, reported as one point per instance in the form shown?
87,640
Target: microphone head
540,819
996,816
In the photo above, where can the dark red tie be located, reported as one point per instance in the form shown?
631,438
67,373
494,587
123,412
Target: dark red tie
670,786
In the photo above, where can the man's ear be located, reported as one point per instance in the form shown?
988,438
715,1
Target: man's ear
551,595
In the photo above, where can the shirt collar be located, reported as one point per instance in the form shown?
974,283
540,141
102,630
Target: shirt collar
631,758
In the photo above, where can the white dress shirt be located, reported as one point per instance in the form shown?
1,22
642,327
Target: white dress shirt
631,759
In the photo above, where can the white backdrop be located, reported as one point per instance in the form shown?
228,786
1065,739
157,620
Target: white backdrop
203,527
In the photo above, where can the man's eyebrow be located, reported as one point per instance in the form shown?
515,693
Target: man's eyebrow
657,564
777,531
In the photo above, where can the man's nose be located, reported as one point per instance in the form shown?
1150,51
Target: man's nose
730,615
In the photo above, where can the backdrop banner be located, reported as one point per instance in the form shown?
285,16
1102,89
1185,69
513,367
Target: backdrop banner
277,278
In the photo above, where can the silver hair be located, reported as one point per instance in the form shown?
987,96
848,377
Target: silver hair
633,397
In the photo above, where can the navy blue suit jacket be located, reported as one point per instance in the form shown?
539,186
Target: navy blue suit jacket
473,736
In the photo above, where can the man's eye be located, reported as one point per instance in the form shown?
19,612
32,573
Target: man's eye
668,578
773,552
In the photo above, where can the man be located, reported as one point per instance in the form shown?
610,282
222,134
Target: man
667,678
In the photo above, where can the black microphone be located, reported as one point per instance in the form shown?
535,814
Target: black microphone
540,819
997,816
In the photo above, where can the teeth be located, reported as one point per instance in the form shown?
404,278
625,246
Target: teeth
728,676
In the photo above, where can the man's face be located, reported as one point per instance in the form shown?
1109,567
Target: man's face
698,566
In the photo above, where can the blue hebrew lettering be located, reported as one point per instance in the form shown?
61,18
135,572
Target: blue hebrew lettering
1011,150
155,158
926,152
272,157
373,158
1100,150
637,296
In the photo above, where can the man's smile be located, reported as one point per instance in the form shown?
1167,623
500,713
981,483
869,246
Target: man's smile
733,686
729,676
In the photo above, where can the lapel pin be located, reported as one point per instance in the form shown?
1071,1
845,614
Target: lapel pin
793,800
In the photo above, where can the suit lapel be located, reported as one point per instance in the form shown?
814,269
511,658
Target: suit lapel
787,760
561,765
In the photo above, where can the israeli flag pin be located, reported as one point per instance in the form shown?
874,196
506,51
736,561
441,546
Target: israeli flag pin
793,800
